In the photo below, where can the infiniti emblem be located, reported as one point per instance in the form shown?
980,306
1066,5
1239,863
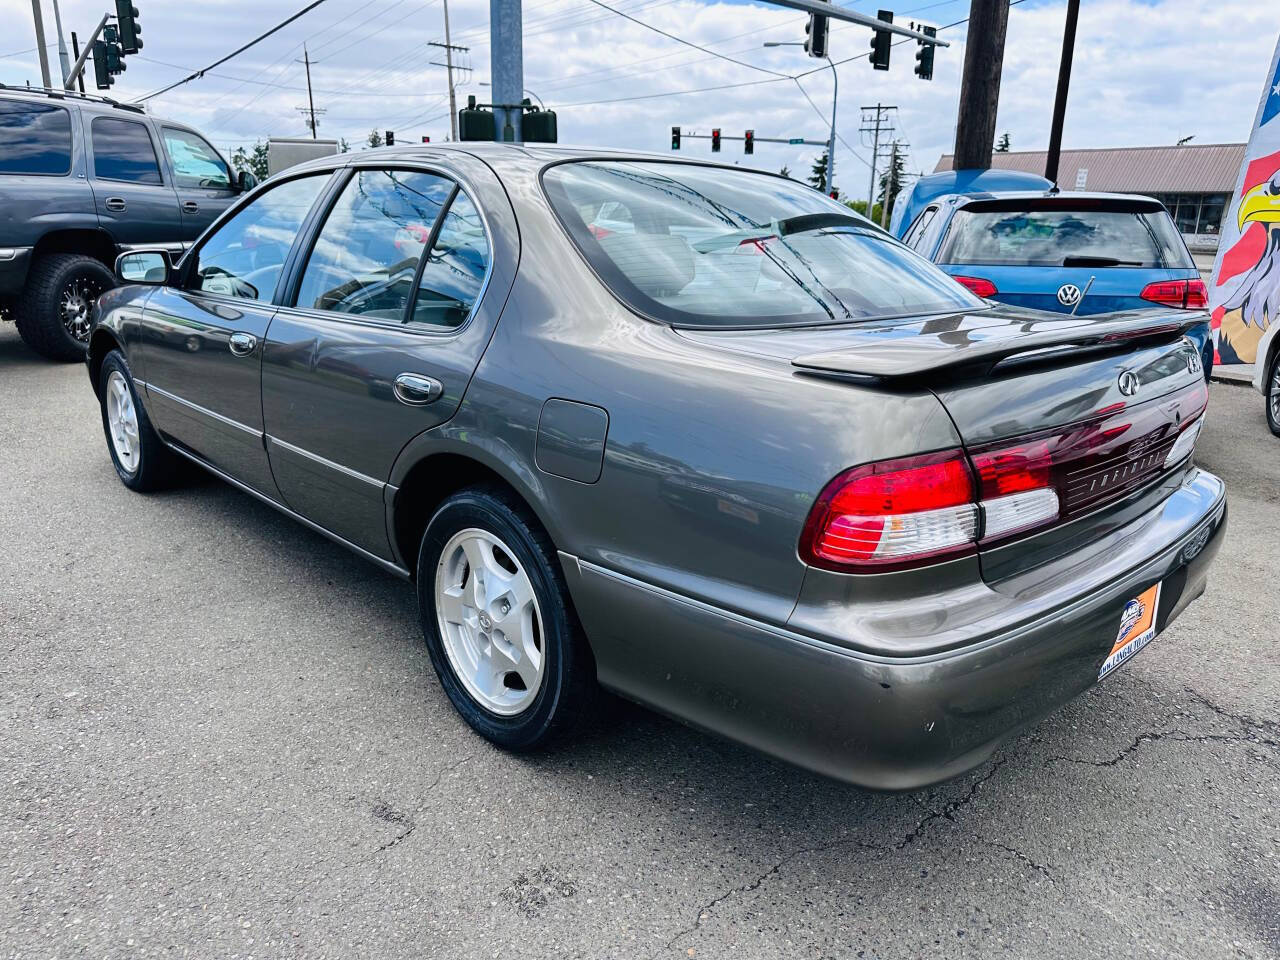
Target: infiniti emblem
485,622
1129,383
1068,294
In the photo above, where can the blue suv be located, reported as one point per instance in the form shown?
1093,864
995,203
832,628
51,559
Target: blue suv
1080,253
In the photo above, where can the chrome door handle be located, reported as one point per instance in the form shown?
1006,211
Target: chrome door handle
242,344
190,206
416,390
115,204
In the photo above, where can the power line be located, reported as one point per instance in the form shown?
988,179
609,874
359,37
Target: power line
235,53
278,86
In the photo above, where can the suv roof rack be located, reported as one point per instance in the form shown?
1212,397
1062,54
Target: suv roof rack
58,94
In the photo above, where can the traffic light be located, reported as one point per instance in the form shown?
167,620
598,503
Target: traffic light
390,138
749,142
924,56
715,140
130,29
100,72
675,138
114,65
426,139
834,194
815,35
880,41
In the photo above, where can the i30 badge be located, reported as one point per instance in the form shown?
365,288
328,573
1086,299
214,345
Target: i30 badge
1129,383
1068,294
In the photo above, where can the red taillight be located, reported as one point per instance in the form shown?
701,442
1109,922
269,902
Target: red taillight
893,514
979,285
1183,294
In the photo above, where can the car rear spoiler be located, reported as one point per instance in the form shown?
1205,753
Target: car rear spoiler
886,354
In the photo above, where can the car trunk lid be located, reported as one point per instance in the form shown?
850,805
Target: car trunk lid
1098,403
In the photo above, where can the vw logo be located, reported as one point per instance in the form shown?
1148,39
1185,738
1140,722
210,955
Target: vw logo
1129,383
1068,294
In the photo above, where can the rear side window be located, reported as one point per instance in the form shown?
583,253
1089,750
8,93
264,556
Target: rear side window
195,163
366,257
709,247
918,229
1064,237
35,138
454,271
122,150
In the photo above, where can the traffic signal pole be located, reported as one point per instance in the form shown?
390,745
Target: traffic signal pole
831,141
84,55
40,45
506,67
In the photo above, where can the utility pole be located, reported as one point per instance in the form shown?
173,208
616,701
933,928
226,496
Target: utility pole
62,45
980,87
448,59
75,51
40,47
449,48
831,143
1060,101
888,185
506,67
873,125
311,104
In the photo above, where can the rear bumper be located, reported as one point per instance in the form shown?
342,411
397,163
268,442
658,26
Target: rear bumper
14,262
879,721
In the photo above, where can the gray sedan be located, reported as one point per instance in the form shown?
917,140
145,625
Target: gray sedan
694,434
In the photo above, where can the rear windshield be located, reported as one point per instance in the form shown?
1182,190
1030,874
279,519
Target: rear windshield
709,247
34,138
1064,237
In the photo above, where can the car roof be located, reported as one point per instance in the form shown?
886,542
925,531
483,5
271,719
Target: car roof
85,101
1063,195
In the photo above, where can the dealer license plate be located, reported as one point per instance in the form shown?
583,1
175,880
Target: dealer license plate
1137,629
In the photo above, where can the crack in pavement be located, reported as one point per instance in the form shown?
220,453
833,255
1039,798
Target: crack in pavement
948,812
1038,867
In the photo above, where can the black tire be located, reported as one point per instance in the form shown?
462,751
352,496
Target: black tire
39,309
157,466
568,684
1271,386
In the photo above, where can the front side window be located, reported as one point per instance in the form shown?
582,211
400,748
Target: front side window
122,150
195,163
244,257
366,256
705,246
1062,236
455,269
35,138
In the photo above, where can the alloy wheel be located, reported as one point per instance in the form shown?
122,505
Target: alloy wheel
489,621
122,419
75,305
1273,394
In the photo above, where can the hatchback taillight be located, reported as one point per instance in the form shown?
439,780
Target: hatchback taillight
979,285
1183,294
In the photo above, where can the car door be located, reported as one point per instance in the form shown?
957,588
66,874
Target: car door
201,177
378,340
135,202
201,341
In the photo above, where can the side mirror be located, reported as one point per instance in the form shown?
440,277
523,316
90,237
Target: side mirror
246,181
144,266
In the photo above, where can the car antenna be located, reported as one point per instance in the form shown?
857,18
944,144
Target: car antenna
1083,295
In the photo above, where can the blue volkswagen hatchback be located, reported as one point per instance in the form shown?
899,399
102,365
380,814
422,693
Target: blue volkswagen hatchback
1081,253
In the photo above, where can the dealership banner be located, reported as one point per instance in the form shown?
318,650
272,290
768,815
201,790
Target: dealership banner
1244,292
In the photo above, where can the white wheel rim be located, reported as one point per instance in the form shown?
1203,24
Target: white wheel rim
122,422
490,622
1275,393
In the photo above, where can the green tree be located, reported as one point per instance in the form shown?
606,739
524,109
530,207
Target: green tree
375,138
343,146
818,173
254,161
1002,145
891,180
860,206
785,172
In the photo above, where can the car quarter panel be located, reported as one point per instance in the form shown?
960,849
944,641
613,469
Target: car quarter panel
713,458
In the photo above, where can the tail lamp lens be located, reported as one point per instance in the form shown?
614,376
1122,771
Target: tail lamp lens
978,285
894,513
1183,294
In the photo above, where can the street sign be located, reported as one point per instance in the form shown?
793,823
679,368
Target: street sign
795,140
1082,177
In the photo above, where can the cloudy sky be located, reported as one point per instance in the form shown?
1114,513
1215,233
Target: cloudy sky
1146,71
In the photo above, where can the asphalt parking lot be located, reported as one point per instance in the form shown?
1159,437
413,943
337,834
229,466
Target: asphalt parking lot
223,738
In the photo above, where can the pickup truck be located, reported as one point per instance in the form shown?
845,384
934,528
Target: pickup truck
83,179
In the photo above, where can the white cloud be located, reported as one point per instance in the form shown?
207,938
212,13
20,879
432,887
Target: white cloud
1145,72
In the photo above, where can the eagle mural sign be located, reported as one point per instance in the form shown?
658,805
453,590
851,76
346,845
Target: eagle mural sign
1245,292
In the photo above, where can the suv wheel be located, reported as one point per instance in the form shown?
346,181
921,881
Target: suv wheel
56,308
1272,384
499,626
141,459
